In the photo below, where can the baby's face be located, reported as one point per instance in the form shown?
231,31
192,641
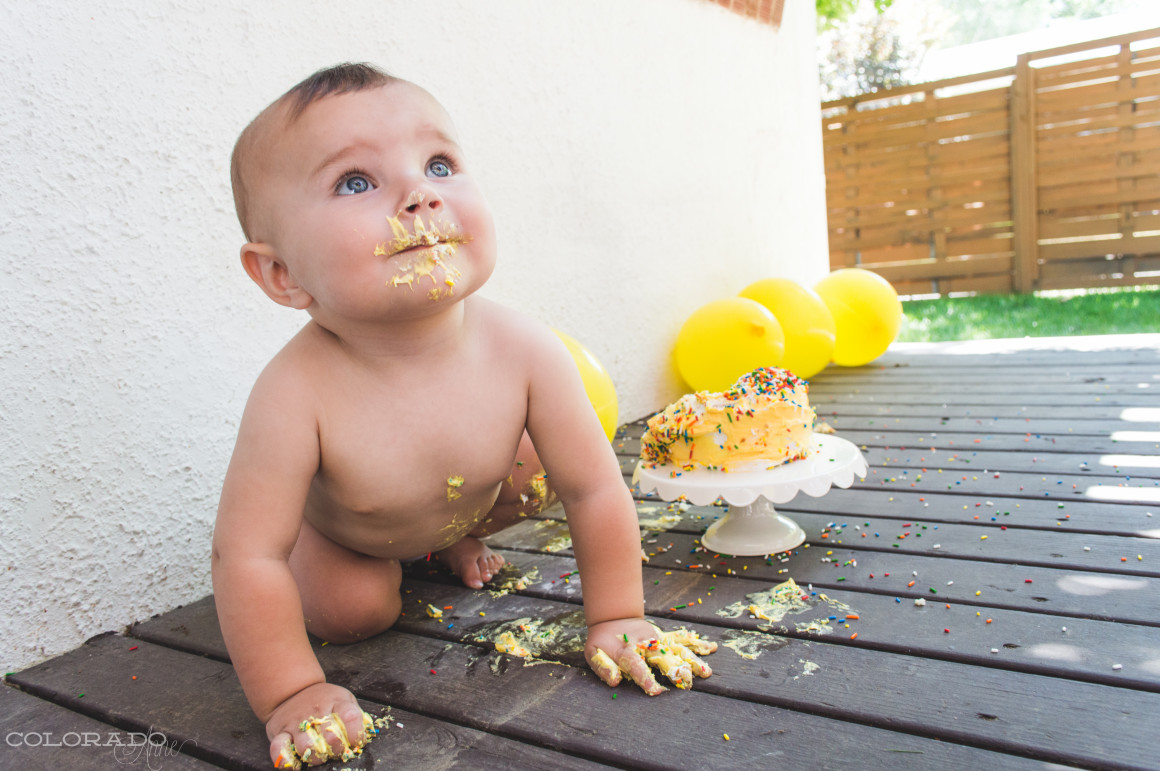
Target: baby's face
368,201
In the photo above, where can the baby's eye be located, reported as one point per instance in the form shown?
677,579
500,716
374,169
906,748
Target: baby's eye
439,168
353,184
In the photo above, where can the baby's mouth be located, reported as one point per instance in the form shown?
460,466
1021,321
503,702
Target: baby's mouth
428,247
431,234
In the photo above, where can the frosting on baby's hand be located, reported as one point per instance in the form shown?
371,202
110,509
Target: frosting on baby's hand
319,749
674,654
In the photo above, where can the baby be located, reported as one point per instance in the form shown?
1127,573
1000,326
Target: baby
408,416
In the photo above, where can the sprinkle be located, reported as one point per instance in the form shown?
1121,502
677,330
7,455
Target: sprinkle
1117,667
133,648
726,736
432,671
615,695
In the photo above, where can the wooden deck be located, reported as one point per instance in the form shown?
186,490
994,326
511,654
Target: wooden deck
1016,493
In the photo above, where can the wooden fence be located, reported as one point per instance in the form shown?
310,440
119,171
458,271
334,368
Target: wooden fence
1045,175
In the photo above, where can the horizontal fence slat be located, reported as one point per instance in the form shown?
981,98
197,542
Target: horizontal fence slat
1094,96
1065,150
1099,248
940,269
1144,191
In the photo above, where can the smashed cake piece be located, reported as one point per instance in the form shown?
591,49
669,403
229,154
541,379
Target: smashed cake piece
762,421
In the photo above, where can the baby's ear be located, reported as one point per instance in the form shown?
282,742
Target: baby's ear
268,271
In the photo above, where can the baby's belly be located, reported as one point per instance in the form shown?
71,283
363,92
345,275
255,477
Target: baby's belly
402,530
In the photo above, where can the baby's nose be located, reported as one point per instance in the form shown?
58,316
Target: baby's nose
418,200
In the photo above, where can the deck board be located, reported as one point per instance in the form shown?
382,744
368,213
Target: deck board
1017,487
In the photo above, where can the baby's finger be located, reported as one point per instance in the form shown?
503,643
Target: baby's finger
311,747
698,666
691,640
340,741
282,752
357,726
322,739
605,668
633,664
671,665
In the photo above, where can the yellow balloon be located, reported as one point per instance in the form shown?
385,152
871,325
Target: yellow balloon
806,321
867,314
725,339
597,384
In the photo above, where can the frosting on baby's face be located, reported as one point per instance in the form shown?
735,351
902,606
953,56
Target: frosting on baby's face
425,249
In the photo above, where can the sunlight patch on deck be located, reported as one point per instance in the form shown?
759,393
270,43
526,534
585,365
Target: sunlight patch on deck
1123,494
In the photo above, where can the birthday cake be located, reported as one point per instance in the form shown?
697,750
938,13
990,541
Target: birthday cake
760,422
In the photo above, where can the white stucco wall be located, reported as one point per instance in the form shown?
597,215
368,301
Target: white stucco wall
642,158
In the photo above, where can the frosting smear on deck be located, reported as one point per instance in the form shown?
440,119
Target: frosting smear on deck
761,421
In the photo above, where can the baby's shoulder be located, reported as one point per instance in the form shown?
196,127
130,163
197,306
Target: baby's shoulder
295,368
513,331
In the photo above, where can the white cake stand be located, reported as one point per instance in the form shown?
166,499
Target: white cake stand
751,526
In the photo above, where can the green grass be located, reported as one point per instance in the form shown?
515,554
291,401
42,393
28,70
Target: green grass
1051,314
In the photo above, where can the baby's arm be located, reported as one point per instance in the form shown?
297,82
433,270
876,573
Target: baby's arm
584,472
258,603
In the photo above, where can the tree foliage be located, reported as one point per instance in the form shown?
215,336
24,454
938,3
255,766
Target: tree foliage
832,11
863,47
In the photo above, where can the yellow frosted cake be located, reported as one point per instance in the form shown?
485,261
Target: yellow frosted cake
762,421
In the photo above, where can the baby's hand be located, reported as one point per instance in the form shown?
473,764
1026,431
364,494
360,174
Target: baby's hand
634,646
319,723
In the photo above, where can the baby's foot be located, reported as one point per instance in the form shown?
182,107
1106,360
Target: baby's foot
471,560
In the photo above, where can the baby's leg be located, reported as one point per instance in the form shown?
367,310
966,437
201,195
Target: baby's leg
527,493
346,596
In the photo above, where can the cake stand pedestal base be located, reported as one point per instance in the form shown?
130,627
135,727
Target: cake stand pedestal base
752,527
747,531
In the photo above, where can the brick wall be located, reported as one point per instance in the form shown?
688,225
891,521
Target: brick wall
764,11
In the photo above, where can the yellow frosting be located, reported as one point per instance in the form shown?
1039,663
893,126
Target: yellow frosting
762,421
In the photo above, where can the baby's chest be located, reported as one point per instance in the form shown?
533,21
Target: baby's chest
389,458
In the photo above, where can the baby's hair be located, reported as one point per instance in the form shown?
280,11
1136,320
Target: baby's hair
340,79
